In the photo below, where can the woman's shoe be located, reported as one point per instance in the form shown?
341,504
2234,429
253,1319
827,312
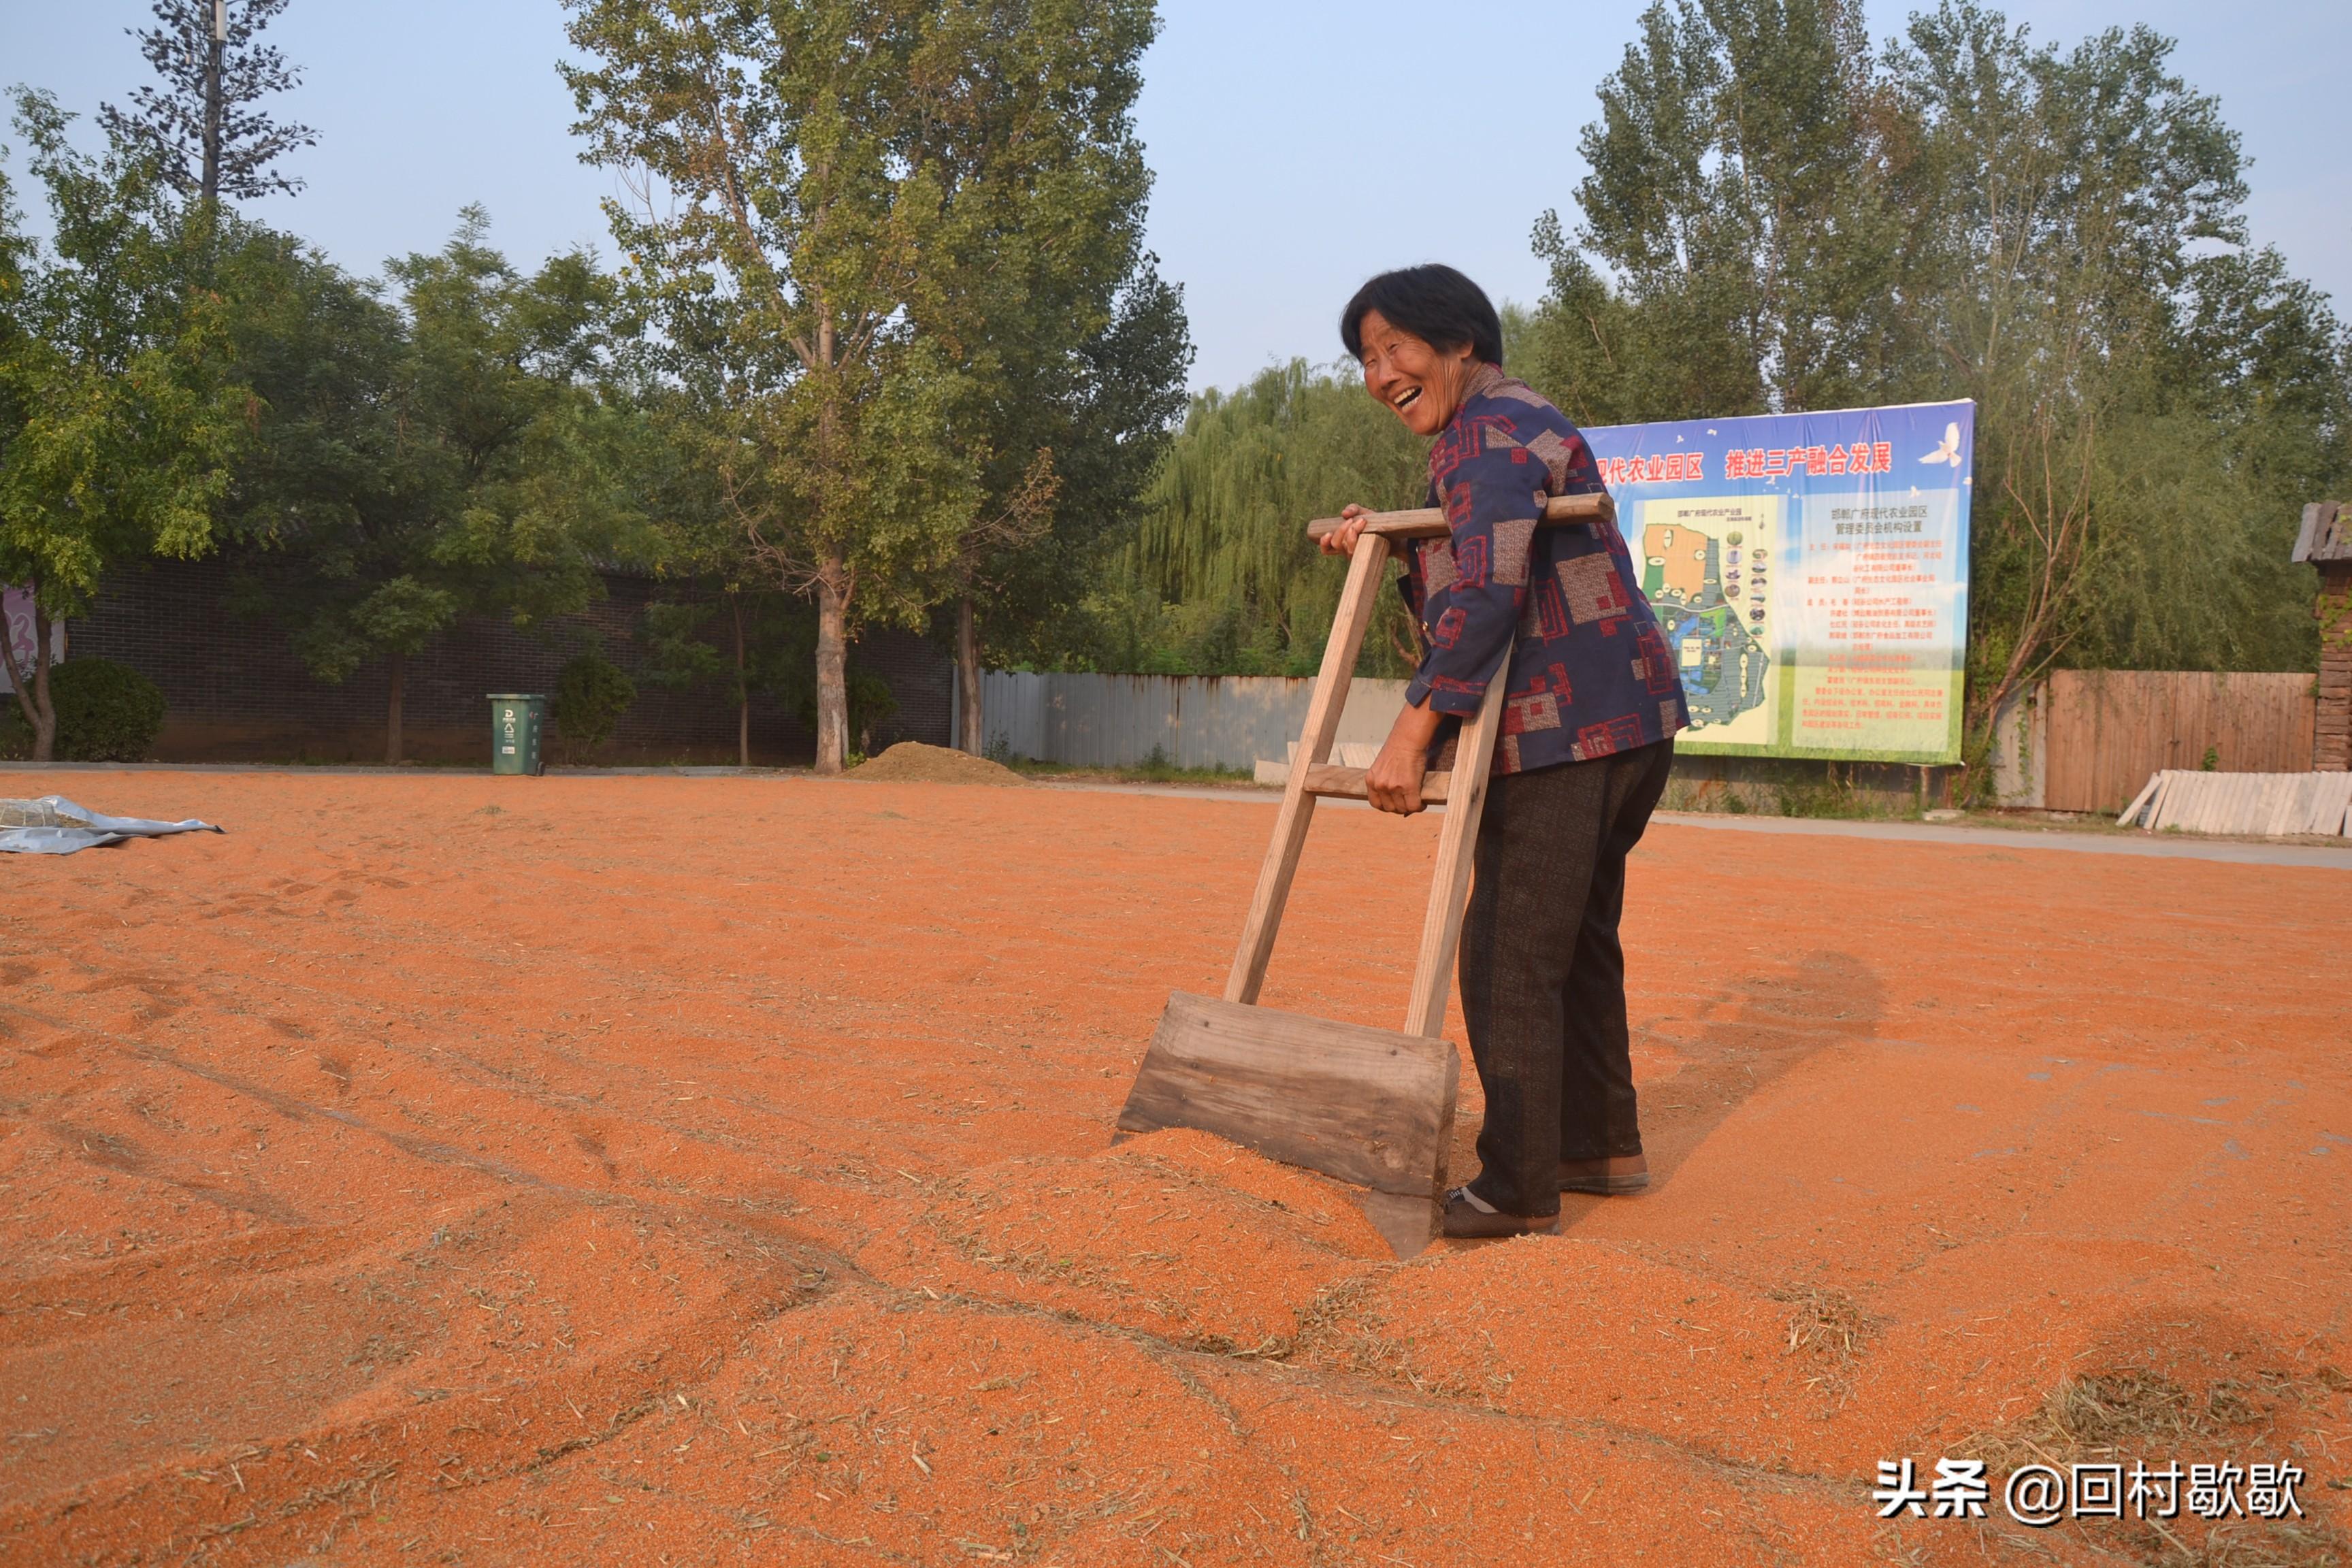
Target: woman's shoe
1611,1177
1470,1217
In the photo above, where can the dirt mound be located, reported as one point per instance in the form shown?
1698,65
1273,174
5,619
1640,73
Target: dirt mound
911,762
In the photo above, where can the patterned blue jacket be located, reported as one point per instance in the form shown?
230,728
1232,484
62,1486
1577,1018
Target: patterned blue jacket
1590,674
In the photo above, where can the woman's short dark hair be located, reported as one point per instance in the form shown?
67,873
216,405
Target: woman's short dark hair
1434,303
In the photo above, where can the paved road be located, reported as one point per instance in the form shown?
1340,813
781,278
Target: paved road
2243,851
2021,837
2183,848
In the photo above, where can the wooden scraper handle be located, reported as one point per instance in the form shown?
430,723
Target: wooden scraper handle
1428,521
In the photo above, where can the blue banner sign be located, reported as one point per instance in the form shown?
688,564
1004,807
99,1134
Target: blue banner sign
1810,571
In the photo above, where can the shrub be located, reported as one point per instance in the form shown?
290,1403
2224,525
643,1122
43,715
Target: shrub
871,701
106,712
591,695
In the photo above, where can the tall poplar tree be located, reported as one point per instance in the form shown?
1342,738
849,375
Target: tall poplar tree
843,201
2067,194
1739,250
1077,349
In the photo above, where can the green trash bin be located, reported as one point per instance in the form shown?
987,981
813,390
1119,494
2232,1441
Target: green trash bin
516,720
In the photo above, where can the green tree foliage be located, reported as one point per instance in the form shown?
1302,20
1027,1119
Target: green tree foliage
118,419
1218,577
1114,403
722,617
1734,210
2244,417
744,635
449,454
848,202
1778,219
2072,191
795,235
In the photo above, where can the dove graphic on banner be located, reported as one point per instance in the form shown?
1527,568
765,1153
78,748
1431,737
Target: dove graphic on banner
1949,452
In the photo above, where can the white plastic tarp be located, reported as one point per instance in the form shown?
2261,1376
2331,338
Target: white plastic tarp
56,825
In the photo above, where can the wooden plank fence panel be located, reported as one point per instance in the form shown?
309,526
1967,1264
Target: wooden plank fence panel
2110,729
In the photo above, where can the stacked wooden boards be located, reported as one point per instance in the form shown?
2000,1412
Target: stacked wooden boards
2269,805
1373,1107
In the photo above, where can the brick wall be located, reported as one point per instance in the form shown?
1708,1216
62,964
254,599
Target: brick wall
2331,737
235,692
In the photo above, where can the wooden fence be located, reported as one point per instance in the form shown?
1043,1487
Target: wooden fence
2109,730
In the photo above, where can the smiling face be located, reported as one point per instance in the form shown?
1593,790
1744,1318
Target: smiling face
1422,386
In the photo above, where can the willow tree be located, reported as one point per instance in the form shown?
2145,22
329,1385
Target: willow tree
836,199
1222,536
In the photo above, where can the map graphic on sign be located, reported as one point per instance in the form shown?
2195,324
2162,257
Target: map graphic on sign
1707,570
1810,570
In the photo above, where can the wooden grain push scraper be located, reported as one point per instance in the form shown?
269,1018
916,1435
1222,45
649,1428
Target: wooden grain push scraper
1374,1107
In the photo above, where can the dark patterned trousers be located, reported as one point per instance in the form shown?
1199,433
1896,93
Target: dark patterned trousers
1543,976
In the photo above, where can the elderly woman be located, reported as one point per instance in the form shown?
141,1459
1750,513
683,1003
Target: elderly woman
1589,719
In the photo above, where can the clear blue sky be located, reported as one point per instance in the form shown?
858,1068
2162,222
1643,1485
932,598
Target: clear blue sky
1299,144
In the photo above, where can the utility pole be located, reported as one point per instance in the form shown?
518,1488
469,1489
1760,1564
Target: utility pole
212,58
